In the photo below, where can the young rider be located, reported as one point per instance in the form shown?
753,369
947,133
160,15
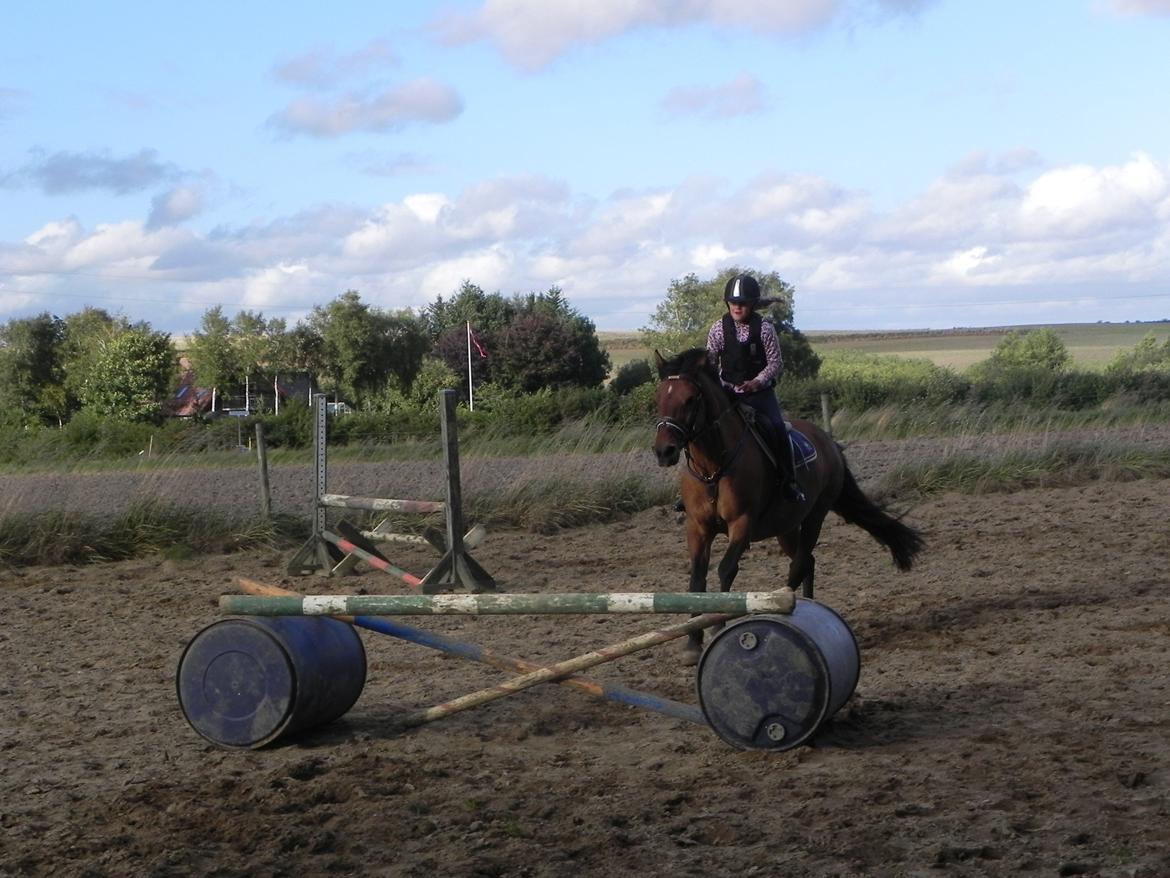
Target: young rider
747,353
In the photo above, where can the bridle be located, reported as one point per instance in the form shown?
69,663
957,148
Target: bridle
691,433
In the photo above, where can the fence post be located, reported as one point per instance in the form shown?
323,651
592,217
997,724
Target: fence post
827,414
262,458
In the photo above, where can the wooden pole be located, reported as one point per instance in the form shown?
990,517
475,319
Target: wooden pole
561,669
826,414
262,459
495,604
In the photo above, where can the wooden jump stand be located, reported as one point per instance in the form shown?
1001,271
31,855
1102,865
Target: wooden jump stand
456,568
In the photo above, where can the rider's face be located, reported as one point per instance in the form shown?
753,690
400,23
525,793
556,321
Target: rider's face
739,312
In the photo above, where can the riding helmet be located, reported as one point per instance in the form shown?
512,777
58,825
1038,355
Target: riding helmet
742,290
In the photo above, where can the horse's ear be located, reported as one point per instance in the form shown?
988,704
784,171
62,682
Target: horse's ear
701,360
658,362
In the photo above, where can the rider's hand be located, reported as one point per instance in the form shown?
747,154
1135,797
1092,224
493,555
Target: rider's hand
749,386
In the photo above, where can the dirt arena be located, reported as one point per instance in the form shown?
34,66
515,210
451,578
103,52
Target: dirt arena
1012,718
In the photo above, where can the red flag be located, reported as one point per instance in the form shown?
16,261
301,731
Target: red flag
479,348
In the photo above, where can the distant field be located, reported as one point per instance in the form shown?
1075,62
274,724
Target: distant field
622,347
1091,345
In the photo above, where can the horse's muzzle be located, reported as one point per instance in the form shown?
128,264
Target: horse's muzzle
667,453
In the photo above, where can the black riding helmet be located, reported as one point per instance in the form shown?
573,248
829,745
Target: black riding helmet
742,290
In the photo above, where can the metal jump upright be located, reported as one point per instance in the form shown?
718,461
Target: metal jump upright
456,567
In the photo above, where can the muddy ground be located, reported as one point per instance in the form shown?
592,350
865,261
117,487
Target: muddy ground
1012,718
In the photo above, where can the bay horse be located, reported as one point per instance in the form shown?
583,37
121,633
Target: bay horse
730,484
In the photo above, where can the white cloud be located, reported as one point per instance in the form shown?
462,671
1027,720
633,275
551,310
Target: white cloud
325,68
1140,7
419,100
977,231
742,96
180,203
533,33
1081,200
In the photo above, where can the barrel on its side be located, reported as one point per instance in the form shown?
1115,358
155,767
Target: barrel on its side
768,682
248,682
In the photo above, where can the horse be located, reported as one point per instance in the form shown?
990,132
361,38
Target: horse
730,483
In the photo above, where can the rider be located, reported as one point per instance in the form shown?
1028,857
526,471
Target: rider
747,352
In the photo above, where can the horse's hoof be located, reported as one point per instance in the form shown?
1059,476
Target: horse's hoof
690,656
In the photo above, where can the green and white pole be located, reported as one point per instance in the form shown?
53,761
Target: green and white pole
738,603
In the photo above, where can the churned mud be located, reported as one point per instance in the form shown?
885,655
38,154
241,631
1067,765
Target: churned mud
1012,718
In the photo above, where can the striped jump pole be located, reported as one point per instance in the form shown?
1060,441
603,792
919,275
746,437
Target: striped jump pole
485,656
737,603
376,504
569,666
371,559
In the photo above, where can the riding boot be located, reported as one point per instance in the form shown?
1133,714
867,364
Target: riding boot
789,487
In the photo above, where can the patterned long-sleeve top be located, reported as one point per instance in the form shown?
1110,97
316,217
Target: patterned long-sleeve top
768,337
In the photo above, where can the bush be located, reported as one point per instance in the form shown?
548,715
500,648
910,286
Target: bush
631,375
89,433
861,381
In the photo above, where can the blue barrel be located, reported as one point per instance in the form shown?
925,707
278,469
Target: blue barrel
247,682
768,682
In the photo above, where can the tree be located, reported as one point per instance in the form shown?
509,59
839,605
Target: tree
133,375
451,350
683,319
214,357
539,351
488,313
362,346
31,372
260,344
86,334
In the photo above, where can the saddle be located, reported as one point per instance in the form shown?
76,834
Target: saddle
764,432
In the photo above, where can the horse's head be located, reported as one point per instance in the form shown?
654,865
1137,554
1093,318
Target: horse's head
680,404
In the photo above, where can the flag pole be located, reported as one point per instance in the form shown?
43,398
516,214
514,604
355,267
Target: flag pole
470,386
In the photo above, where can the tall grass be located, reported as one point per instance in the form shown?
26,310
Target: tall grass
149,528
1055,467
972,419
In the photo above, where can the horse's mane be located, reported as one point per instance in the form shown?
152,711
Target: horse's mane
694,364
689,362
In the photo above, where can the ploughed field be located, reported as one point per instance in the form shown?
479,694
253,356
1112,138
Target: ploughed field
1012,715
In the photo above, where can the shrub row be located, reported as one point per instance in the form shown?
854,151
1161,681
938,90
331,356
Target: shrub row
855,383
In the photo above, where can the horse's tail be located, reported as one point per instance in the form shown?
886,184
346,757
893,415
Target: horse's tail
903,541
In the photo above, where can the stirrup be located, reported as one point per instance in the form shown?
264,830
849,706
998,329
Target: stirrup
791,491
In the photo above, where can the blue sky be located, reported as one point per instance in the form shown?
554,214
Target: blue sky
903,163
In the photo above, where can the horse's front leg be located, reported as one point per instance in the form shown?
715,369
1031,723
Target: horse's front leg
699,539
737,543
738,540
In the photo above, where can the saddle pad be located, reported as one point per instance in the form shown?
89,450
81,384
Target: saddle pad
803,451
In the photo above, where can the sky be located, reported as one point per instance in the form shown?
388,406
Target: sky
902,163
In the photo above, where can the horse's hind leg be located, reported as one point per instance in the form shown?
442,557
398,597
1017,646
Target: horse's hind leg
799,544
